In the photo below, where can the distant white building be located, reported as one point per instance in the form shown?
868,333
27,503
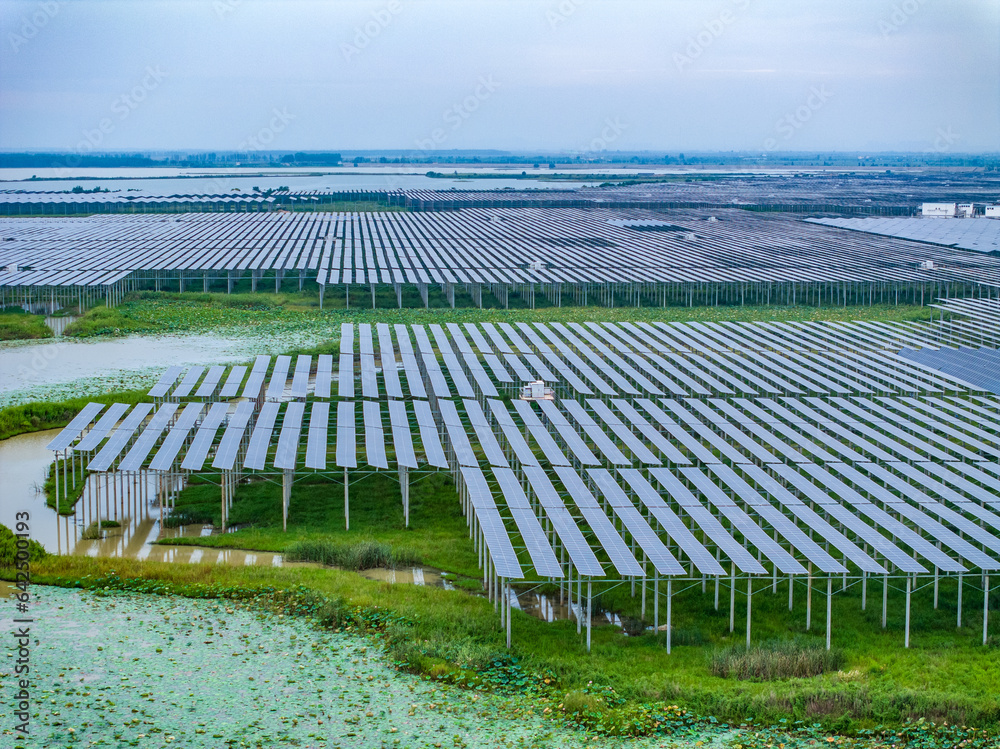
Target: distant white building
966,210
939,210
993,211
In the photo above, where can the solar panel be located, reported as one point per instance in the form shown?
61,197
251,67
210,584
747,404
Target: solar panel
484,433
387,357
203,439
211,382
576,445
165,456
778,521
98,432
316,441
369,379
645,536
346,338
642,453
518,444
850,520
225,454
494,533
708,523
233,382
565,527
374,435
539,549
346,437
300,380
167,379
122,434
673,525
324,375
135,457
460,444
616,549
919,518
433,452
596,434
885,521
650,433
255,382
187,384
286,453
813,521
260,437
542,438
402,437
72,430
345,376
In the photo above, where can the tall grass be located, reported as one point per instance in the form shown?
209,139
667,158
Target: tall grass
16,324
360,555
776,659
8,549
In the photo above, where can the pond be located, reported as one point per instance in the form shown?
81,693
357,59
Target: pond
140,670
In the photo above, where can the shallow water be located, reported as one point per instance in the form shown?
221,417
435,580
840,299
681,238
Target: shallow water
24,461
65,360
141,670
133,503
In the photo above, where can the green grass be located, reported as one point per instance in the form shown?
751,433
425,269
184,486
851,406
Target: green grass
16,324
246,313
365,554
437,536
67,499
36,417
779,659
9,550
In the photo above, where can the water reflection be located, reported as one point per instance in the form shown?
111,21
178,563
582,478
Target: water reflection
130,500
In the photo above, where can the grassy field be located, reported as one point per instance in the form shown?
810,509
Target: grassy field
16,324
163,312
437,536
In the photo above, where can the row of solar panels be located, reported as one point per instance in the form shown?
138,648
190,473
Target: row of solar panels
795,518
490,246
607,359
918,504
618,433
981,366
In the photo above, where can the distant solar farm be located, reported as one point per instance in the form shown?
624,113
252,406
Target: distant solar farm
610,257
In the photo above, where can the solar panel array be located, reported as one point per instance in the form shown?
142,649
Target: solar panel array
674,449
475,245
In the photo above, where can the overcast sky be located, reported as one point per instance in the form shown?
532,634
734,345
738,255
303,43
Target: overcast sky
577,75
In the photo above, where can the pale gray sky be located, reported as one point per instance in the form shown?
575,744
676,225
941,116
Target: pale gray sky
549,75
